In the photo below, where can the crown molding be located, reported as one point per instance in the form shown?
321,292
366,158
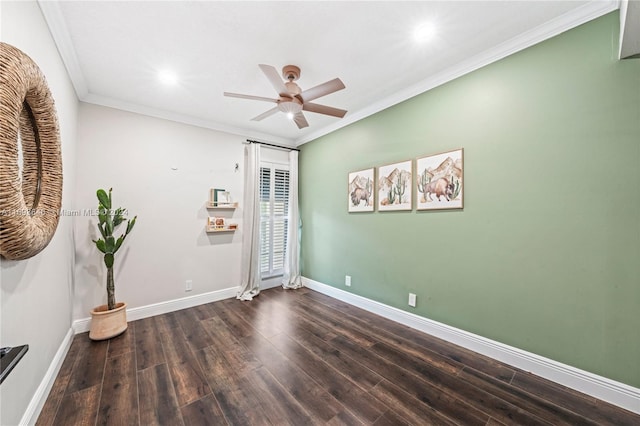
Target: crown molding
579,16
184,119
55,21
58,28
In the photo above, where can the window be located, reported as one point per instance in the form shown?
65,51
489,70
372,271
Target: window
274,210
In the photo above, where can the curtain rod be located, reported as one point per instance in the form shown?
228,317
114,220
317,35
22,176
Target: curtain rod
273,145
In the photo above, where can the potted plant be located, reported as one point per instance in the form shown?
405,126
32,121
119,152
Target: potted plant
109,320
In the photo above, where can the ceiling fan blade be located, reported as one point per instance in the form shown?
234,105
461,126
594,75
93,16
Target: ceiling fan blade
323,109
274,79
322,90
255,98
300,120
266,114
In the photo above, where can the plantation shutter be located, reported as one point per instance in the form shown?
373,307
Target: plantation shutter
265,223
274,210
280,212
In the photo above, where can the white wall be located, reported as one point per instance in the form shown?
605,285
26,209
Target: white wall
35,293
135,155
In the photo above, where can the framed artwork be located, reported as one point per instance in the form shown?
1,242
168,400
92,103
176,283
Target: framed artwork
224,198
214,194
217,195
360,191
215,222
440,181
395,187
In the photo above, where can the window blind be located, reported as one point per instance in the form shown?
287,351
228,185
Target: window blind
274,210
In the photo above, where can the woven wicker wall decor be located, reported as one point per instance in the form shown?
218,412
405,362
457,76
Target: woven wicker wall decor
29,204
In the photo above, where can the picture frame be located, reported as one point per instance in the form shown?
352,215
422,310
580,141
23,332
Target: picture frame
395,186
217,195
439,181
215,222
360,192
224,198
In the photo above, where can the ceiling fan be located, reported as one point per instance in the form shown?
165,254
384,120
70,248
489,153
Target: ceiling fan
291,99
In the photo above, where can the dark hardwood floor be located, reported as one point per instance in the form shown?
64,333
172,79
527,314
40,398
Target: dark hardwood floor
299,358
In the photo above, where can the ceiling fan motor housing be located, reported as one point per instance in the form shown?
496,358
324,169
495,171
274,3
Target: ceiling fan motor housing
291,72
293,88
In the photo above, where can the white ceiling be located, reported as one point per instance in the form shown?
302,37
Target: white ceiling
113,51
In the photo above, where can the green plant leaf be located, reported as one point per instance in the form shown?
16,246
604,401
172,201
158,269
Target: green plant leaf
118,218
105,200
110,244
131,223
101,246
101,231
119,243
108,221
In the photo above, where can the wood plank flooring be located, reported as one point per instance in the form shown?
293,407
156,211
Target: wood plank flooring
299,358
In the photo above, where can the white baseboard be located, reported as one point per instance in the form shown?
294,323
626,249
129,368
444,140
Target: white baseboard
271,283
34,408
617,393
140,312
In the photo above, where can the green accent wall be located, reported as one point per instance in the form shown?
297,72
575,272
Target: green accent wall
545,255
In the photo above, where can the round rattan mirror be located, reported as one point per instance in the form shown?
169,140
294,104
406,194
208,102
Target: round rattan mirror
31,195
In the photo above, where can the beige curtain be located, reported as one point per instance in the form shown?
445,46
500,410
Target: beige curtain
291,278
250,261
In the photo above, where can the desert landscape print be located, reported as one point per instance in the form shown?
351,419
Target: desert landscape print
439,181
360,193
394,187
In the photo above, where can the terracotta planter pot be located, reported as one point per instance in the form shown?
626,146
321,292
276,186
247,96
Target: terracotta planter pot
106,324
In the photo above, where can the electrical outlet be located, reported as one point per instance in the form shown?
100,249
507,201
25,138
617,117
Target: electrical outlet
412,300
188,285
347,280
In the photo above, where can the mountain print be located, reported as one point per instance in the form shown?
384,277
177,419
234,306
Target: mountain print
394,187
361,191
439,181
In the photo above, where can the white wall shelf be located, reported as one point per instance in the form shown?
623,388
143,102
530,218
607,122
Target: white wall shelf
225,206
216,230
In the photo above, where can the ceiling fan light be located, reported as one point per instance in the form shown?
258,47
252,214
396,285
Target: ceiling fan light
290,115
290,107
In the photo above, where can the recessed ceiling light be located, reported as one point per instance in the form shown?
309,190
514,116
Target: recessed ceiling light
424,32
167,77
